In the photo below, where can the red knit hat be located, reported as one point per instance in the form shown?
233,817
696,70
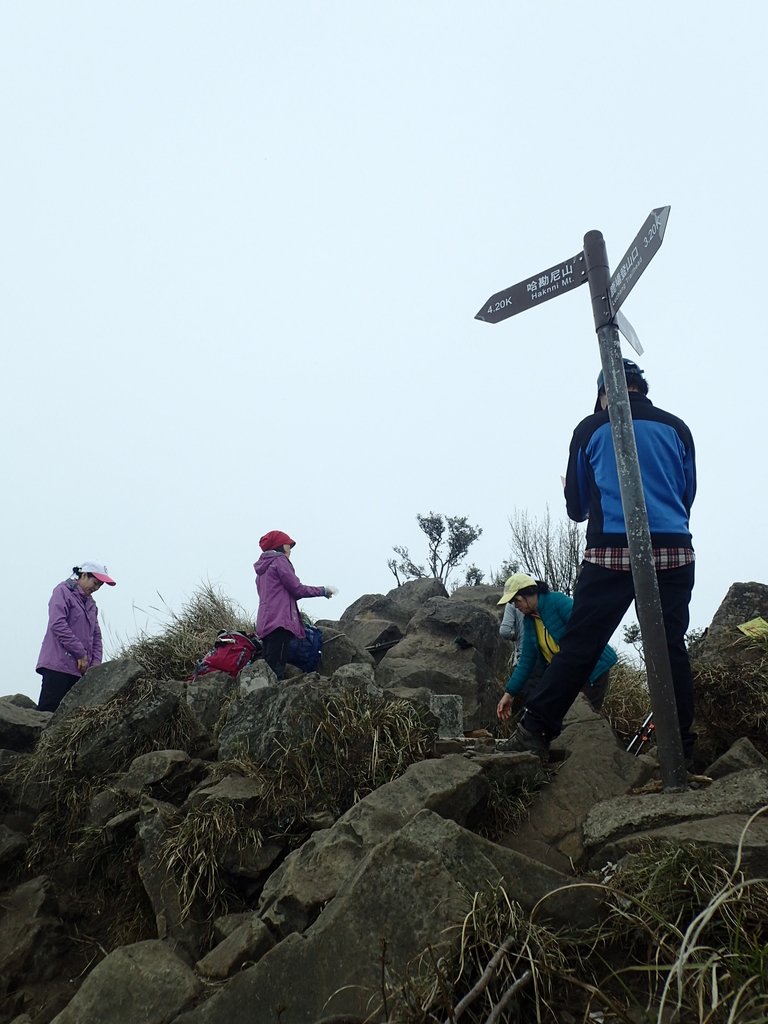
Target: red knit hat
275,539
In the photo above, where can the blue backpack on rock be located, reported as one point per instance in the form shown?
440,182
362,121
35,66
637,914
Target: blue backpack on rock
305,654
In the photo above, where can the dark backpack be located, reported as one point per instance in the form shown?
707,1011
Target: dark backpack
230,653
305,653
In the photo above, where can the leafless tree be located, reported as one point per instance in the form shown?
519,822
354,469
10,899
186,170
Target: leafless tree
546,550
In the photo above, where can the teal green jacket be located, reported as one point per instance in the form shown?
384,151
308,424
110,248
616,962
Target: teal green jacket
554,610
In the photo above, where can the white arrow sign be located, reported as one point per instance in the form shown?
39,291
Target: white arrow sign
628,331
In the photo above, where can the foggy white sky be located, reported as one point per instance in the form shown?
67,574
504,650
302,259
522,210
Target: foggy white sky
243,244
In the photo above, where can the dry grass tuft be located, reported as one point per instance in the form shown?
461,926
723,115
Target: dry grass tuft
627,701
509,802
360,742
53,764
693,932
187,635
685,939
51,779
732,693
113,894
497,955
193,850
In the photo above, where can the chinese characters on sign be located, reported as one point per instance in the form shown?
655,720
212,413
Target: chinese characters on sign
554,280
638,256
571,273
619,274
546,285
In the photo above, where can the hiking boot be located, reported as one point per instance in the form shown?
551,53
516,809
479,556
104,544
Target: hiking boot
523,740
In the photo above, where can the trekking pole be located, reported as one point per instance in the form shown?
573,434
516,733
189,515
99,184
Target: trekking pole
643,735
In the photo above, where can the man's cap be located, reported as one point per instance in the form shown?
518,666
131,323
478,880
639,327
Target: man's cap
99,571
275,539
517,581
630,370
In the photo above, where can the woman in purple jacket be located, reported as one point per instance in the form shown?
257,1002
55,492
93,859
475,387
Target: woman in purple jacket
72,642
278,618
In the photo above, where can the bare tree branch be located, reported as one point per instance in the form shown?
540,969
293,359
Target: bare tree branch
496,1012
548,551
483,981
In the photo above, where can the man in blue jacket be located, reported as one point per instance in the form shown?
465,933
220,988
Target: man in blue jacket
605,589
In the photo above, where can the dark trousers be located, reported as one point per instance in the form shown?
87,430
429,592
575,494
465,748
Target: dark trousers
600,600
594,692
275,647
56,685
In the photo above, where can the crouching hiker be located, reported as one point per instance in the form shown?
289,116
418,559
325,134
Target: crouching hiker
279,619
546,615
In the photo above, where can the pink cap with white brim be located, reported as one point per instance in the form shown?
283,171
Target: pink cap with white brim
99,571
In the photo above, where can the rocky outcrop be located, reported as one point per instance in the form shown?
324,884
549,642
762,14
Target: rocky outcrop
258,722
246,943
32,935
374,636
12,846
20,726
340,648
144,983
313,874
426,868
742,793
743,602
182,924
207,696
449,647
150,801
399,605
99,686
730,675
738,757
144,716
724,833
593,767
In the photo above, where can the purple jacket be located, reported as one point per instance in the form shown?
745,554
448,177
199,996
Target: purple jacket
279,589
73,630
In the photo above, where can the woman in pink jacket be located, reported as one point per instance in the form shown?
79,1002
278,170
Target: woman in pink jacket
278,618
72,642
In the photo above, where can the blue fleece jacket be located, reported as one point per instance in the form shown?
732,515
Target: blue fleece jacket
554,610
667,460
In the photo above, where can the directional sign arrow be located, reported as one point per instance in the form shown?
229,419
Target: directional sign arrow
546,285
637,257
